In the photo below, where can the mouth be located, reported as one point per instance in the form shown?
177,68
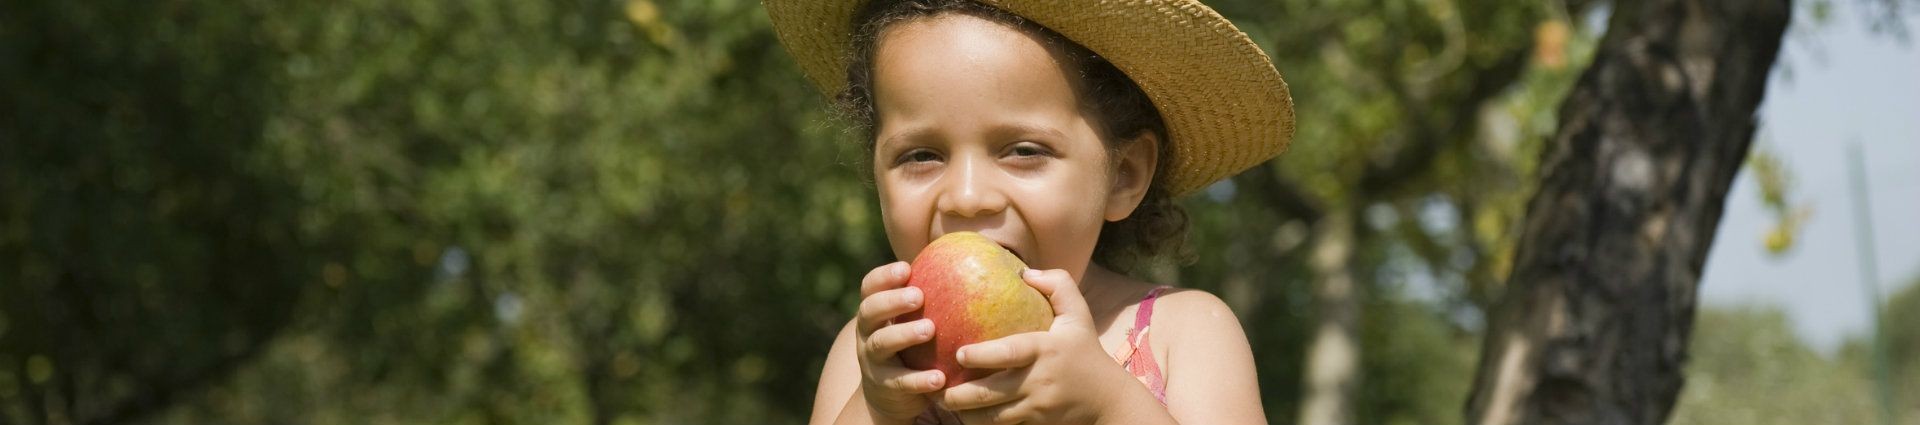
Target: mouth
1016,253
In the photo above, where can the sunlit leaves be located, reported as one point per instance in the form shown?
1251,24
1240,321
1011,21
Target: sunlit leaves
1775,181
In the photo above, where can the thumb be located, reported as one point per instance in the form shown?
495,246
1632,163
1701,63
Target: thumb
1069,307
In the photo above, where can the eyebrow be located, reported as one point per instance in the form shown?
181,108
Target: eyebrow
1000,130
915,133
1018,128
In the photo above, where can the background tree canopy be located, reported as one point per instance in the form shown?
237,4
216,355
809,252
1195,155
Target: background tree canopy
636,212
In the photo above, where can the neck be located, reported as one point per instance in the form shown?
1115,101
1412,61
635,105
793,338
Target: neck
1102,286
1108,294
1099,279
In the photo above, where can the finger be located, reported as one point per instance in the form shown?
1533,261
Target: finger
1068,304
885,277
1005,413
909,381
887,341
877,309
1017,350
999,388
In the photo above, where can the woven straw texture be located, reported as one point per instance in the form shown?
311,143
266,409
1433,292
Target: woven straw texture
1225,106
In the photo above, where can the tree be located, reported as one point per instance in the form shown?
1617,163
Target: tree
125,194
415,211
1595,322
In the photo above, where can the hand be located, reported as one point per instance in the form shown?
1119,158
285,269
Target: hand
893,392
1062,375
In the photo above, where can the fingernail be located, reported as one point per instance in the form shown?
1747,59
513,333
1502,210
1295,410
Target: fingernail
960,356
933,380
912,297
900,270
924,328
1030,273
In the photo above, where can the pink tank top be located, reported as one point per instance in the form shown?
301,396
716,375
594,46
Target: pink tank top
1136,357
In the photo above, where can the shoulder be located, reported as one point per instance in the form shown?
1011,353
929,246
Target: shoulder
1211,376
1192,326
1193,310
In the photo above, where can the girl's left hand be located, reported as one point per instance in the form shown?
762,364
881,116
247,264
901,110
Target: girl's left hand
1062,375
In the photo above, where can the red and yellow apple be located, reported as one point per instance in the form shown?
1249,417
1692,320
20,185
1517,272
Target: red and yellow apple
973,292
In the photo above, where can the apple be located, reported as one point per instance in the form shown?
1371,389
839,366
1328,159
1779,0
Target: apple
973,292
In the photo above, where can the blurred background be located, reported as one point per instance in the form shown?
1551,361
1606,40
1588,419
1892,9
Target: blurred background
638,212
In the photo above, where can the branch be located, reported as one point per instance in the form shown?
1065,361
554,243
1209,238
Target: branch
144,404
1430,135
1418,150
1280,194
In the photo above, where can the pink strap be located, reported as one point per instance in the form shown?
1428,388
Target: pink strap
1139,360
1144,316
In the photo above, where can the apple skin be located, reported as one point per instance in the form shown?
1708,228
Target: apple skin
973,292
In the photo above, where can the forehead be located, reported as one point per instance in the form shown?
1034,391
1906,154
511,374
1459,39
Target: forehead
958,62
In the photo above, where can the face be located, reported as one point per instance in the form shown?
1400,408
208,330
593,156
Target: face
978,128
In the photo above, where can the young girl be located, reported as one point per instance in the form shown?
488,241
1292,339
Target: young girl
1062,130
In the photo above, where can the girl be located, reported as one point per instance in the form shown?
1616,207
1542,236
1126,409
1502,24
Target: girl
1062,130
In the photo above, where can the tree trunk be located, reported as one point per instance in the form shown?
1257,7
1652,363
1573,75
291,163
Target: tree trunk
1333,356
1594,324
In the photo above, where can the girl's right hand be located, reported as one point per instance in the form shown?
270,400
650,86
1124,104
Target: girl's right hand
893,392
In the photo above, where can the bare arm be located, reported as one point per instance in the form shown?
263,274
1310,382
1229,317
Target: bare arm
863,381
839,401
1210,373
839,379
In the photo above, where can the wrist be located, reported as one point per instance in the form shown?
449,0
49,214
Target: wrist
883,418
859,410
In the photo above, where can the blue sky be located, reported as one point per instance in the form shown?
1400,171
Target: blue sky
1841,84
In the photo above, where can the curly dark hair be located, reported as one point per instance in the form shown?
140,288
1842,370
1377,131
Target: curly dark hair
1156,229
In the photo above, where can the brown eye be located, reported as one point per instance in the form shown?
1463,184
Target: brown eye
917,156
1027,150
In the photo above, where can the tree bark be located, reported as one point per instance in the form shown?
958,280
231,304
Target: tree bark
1593,327
1333,356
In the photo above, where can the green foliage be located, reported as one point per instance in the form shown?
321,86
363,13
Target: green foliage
1901,315
144,243
1417,361
497,211
1747,367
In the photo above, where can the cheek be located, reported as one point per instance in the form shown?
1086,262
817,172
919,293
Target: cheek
1069,219
1069,245
1092,184
904,226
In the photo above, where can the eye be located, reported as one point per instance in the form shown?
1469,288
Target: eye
917,156
1027,149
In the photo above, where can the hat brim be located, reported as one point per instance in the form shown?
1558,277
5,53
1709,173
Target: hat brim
1225,105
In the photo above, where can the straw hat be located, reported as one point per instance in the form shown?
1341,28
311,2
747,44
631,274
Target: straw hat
1223,102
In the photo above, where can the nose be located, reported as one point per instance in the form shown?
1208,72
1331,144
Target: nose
971,189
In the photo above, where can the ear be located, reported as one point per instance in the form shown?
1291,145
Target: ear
1133,173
